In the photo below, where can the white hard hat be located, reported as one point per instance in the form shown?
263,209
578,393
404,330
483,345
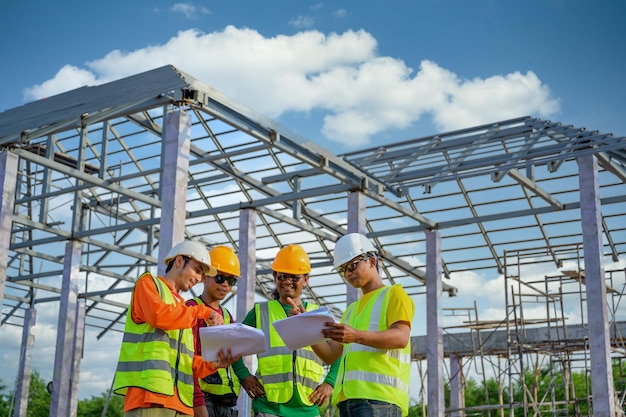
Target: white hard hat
349,247
194,250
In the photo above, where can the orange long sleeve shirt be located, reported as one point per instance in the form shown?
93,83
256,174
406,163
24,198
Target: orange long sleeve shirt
148,307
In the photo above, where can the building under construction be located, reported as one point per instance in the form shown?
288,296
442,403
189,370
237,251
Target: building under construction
98,183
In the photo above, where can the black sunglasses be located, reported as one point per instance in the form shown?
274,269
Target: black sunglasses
292,278
350,266
220,279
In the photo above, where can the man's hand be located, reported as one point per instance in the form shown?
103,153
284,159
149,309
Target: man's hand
253,387
322,393
295,309
340,332
225,358
215,319
200,411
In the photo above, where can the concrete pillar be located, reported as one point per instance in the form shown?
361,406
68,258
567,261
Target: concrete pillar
23,372
357,223
8,179
457,386
174,179
60,404
599,343
434,331
79,332
246,286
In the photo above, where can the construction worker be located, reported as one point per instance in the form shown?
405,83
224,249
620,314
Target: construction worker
372,338
216,395
287,383
157,365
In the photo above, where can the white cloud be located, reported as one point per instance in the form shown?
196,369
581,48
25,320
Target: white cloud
190,10
67,78
302,22
340,13
341,75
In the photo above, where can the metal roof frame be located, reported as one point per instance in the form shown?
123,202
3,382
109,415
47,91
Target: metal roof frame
90,164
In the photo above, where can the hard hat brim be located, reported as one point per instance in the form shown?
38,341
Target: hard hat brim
211,271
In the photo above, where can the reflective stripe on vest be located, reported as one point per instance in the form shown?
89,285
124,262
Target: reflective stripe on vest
370,373
276,369
156,360
222,381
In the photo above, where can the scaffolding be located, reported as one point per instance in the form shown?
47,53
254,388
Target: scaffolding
536,360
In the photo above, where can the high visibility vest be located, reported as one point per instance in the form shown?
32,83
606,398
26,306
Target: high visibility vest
369,373
222,381
281,370
154,359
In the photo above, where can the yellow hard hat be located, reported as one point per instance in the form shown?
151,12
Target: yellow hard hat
292,259
224,259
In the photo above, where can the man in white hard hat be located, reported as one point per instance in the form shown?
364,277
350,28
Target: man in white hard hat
216,395
157,364
372,338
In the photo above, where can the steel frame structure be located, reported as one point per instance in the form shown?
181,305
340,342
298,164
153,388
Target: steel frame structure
86,168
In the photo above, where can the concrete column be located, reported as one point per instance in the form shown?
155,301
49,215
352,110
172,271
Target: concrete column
79,331
174,179
457,386
23,372
246,286
357,223
599,344
8,179
434,331
60,404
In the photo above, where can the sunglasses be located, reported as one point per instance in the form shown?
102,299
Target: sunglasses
220,279
350,266
284,277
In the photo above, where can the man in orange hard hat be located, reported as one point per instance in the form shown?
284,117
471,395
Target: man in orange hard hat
286,383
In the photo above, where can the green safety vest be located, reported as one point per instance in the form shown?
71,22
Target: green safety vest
281,370
222,381
154,359
369,373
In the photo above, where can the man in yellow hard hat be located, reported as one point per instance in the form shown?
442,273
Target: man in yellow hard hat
216,395
157,364
287,383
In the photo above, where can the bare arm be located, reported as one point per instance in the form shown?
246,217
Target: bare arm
328,351
396,337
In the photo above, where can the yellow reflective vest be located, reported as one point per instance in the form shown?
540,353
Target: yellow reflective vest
281,370
156,360
222,381
370,373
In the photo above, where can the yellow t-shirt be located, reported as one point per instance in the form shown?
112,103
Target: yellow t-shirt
400,307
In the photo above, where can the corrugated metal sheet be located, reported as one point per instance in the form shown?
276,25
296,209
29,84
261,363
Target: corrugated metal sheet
71,105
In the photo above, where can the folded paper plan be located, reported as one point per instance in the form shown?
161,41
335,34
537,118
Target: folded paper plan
240,338
304,329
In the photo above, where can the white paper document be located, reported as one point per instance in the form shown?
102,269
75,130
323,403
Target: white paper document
303,329
240,338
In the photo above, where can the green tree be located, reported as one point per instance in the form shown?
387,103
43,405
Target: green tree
94,406
38,396
5,400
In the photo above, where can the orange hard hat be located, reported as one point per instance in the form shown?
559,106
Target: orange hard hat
224,259
292,259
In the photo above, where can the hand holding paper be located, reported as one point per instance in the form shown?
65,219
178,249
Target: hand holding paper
304,329
241,339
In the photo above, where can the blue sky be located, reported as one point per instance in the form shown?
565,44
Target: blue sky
352,73
341,73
